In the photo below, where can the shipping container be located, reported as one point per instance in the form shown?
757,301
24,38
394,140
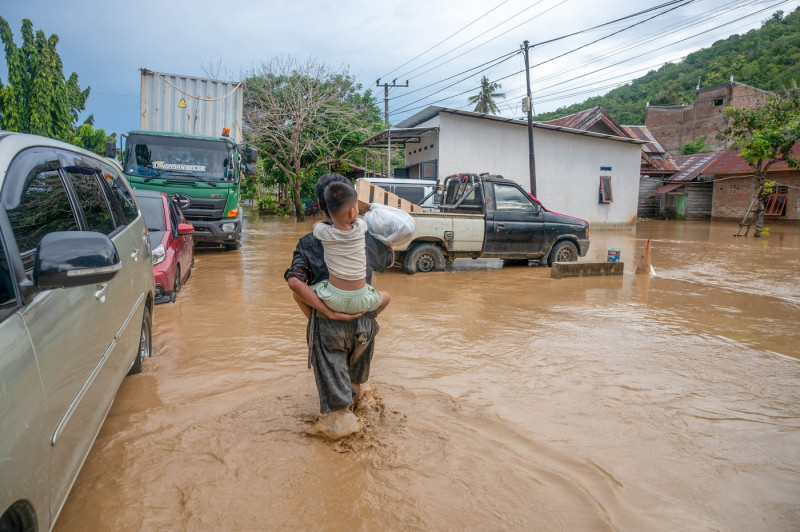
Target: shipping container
195,106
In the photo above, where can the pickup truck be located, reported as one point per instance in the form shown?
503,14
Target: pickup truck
489,216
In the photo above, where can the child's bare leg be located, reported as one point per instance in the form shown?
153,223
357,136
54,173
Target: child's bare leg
385,299
303,306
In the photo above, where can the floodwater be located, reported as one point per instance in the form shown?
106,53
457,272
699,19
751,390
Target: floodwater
499,398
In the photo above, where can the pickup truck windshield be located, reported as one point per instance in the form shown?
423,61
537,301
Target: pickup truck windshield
178,158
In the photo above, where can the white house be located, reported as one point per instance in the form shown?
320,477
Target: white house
571,164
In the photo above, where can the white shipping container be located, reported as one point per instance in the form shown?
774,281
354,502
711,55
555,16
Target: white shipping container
195,106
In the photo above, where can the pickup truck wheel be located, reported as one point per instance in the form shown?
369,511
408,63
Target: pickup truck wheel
564,251
424,258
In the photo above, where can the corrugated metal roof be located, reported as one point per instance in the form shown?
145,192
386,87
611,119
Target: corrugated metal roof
430,112
643,133
588,119
729,162
667,188
690,166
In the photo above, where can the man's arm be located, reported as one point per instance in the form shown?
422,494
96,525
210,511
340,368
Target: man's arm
305,294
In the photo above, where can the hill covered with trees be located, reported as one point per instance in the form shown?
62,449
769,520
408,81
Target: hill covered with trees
767,58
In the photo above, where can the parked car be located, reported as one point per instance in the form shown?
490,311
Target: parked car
171,241
422,192
76,295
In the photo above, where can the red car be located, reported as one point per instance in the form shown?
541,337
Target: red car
170,242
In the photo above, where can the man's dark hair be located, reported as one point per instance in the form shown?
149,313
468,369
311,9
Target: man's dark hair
339,197
322,184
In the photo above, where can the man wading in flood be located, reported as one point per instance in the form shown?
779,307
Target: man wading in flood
340,346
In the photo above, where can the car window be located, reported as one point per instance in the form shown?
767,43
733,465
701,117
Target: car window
92,198
510,198
8,296
153,211
36,200
411,193
121,195
174,217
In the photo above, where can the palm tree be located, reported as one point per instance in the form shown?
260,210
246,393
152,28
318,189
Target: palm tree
484,100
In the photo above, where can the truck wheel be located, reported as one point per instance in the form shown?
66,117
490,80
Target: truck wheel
232,246
145,342
564,251
424,257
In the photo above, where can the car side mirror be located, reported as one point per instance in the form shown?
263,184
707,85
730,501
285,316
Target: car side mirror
251,155
111,148
65,259
250,169
185,229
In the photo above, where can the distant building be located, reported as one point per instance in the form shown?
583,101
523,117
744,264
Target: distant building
674,125
571,164
735,186
655,167
687,194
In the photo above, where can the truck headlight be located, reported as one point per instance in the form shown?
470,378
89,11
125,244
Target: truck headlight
159,254
227,228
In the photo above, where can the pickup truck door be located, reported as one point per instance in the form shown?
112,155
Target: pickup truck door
517,223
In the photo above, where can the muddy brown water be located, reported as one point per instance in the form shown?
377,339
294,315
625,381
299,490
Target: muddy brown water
499,398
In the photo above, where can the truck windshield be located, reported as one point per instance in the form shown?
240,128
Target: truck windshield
178,158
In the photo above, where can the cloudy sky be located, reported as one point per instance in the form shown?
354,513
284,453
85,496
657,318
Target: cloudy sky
442,47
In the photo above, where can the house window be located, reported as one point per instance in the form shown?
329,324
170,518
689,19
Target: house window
717,102
606,195
776,202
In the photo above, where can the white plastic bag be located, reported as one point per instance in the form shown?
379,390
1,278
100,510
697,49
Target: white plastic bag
390,225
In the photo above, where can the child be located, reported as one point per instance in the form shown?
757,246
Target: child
346,290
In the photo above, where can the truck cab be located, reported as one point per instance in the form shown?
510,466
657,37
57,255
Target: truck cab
201,174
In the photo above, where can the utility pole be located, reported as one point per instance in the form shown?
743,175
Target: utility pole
531,157
386,87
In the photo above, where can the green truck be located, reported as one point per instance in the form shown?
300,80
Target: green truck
190,147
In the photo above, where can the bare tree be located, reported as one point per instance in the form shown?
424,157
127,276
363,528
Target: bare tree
306,116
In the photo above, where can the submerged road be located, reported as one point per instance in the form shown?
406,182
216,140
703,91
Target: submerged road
499,398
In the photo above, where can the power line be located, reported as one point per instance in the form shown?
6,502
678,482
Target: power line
667,4
444,40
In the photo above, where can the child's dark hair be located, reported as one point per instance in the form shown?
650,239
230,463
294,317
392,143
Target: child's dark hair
339,197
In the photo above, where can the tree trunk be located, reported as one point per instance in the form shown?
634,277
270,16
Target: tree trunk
299,211
761,206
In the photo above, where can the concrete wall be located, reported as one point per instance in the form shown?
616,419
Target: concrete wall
732,195
567,165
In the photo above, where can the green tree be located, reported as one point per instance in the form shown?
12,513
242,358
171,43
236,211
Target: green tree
91,139
484,100
765,136
690,147
37,98
307,118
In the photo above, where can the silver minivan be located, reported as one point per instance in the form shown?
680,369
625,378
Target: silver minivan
422,192
76,295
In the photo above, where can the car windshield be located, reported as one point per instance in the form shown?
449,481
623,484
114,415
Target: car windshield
178,158
153,210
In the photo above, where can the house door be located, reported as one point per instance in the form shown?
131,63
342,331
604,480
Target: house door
680,207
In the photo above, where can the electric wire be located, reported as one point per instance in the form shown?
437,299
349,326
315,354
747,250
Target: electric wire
443,40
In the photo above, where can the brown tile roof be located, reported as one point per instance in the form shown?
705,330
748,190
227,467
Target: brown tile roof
729,162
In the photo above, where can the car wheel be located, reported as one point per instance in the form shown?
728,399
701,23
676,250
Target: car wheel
564,251
424,257
145,342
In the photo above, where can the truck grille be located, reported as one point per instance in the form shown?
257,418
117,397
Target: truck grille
204,209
